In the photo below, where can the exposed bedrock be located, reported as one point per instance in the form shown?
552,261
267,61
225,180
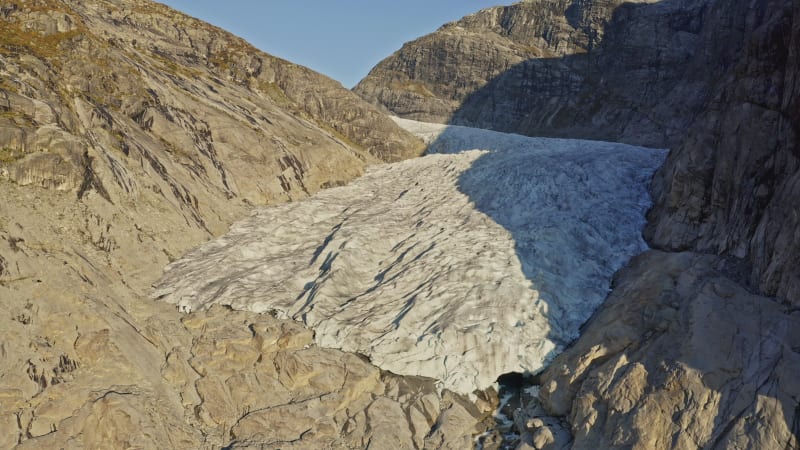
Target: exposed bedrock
681,356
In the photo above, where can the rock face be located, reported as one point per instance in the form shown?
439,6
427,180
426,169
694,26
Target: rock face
715,80
732,186
227,379
635,72
90,87
460,266
130,133
681,356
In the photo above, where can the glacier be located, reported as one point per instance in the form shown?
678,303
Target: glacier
481,258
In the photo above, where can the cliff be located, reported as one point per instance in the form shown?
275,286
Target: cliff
731,186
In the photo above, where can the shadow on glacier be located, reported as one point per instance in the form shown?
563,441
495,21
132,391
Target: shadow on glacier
599,95
574,209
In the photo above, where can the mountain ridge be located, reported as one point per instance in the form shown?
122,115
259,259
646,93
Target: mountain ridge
605,70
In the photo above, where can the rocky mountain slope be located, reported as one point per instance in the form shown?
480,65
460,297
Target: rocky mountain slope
717,82
681,356
130,133
635,72
731,186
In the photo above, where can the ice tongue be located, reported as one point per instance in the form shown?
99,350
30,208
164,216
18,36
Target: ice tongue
480,260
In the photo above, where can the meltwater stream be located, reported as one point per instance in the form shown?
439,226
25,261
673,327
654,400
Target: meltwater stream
482,258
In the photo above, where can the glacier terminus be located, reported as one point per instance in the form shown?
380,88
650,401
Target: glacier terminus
481,258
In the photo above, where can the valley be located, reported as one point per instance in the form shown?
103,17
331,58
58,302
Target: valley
204,246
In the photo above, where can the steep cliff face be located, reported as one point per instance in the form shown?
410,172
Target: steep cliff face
732,186
130,133
430,78
635,72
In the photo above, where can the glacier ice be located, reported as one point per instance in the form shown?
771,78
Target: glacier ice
483,257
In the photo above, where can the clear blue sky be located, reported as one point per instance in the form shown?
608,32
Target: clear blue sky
343,39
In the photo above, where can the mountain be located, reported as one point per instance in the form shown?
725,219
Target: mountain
129,134
696,344
715,82
730,187
634,72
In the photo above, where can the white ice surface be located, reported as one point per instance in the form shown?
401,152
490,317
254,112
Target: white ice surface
459,266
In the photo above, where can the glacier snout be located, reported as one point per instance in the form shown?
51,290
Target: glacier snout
460,266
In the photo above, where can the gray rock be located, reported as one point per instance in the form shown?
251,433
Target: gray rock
681,356
732,187
610,70
635,72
